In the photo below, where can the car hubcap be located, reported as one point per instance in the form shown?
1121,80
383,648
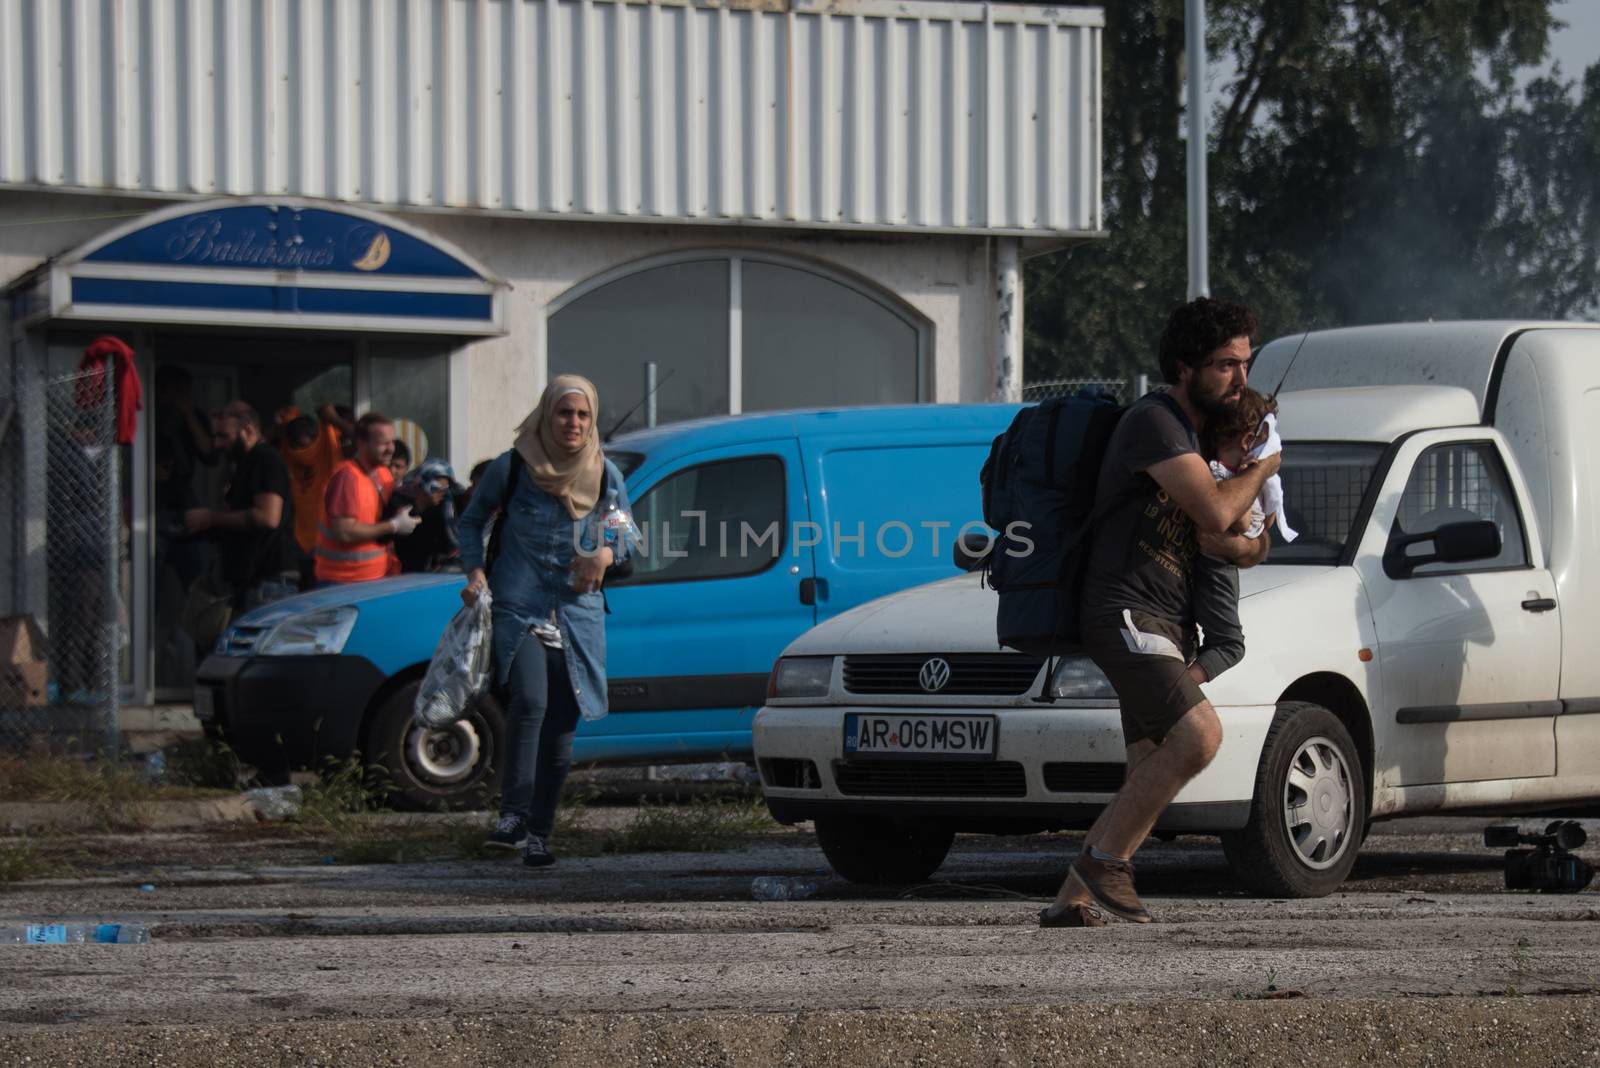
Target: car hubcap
1316,803
443,757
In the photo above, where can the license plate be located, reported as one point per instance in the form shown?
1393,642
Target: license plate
879,734
204,703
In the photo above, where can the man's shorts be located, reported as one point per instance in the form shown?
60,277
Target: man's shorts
1145,659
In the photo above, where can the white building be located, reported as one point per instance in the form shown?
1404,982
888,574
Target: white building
426,207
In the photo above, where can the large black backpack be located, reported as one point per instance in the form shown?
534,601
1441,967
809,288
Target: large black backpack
1039,492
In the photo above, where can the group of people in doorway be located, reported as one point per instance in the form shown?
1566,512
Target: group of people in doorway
304,501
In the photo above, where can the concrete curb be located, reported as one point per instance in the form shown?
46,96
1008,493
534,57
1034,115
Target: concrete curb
1462,1032
26,816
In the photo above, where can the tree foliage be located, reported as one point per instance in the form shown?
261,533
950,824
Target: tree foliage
1370,161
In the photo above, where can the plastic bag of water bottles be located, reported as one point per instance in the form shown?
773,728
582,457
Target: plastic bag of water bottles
459,670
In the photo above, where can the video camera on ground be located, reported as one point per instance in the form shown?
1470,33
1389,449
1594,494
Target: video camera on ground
1549,865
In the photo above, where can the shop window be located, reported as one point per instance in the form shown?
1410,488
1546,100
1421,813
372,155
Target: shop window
792,335
810,341
412,383
675,315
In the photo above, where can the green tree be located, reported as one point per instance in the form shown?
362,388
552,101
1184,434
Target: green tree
1370,161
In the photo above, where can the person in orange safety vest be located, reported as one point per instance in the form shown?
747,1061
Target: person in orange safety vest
353,537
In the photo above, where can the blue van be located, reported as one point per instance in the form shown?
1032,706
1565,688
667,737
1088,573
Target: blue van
757,527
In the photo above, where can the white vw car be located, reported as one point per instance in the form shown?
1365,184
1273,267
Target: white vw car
1427,644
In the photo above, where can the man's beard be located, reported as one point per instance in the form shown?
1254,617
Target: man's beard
1212,407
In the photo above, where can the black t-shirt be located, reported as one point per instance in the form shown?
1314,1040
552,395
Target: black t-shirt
250,556
1144,545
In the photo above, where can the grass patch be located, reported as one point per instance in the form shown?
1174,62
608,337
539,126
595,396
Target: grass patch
700,826
367,837
342,792
344,808
46,778
21,859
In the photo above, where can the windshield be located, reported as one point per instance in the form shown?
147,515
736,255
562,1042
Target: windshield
1324,484
627,462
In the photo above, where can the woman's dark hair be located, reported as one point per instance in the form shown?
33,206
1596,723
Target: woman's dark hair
1197,329
402,451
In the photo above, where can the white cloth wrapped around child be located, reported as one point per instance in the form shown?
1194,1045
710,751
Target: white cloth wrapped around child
1271,498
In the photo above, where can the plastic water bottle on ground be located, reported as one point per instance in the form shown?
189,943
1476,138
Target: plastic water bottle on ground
782,888
48,934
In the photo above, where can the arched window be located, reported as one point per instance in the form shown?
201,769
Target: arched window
732,332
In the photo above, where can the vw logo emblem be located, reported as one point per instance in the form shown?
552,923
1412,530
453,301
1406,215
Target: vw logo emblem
935,674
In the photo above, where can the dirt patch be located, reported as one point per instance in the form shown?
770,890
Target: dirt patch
1461,1033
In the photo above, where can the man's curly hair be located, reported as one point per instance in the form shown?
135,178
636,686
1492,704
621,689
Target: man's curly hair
1197,329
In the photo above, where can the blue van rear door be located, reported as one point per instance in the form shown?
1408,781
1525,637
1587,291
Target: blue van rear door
719,590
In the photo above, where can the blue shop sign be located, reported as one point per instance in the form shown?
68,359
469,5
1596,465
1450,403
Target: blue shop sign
275,237
277,263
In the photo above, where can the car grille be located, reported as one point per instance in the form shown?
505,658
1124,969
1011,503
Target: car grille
240,640
1084,778
931,778
991,674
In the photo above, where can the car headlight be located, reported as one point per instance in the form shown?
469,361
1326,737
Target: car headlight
313,634
801,676
1077,677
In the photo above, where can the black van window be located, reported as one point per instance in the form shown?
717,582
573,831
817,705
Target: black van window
716,520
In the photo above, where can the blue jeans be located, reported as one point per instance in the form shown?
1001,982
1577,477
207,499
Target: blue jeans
540,721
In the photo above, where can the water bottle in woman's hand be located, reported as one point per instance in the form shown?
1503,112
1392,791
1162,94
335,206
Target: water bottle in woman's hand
617,528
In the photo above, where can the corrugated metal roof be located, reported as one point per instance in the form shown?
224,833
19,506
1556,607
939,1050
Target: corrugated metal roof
920,115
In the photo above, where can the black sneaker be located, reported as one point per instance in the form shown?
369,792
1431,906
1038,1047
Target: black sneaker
510,833
535,854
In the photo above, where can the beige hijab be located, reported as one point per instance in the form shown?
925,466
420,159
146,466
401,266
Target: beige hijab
573,475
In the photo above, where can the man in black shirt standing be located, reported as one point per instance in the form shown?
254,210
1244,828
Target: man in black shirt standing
254,530
1160,506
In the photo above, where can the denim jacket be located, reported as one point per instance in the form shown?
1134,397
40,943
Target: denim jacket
531,572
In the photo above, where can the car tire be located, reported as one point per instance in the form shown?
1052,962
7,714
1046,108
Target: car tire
879,851
431,770
1308,812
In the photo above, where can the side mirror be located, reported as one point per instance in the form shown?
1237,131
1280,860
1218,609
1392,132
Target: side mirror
971,549
1453,543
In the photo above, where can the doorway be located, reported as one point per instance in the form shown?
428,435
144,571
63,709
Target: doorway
195,375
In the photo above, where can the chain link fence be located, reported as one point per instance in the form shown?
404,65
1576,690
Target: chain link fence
1122,389
64,627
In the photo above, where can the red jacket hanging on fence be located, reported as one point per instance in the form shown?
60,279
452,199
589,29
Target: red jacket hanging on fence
92,386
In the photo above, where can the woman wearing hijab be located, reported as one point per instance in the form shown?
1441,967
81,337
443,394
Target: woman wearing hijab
551,490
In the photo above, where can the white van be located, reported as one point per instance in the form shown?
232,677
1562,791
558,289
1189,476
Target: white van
1430,643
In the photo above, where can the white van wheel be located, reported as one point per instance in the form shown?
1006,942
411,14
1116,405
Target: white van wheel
1308,812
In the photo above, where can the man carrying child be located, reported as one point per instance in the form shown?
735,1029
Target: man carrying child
1161,508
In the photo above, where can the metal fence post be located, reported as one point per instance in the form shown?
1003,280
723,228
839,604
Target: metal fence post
111,673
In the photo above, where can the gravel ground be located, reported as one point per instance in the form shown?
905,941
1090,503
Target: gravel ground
264,954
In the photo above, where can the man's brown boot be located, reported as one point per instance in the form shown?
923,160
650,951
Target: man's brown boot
1110,884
